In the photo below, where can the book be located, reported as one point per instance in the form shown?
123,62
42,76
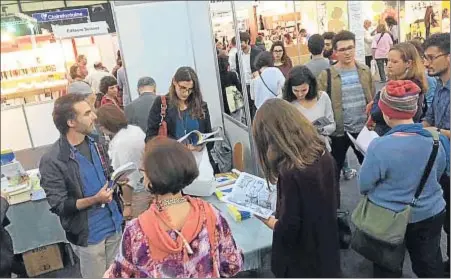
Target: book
321,122
363,139
121,173
252,193
225,179
197,138
237,214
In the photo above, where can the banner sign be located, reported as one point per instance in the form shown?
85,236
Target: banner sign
80,30
61,15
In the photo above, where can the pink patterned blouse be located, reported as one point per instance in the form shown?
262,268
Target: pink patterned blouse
134,260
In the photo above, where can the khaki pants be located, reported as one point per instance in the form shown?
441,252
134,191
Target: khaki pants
96,259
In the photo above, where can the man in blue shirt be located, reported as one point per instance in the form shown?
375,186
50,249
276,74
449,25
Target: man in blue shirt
74,174
437,62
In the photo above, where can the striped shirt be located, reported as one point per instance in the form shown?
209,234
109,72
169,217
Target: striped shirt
354,102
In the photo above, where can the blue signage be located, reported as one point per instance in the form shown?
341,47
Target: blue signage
61,15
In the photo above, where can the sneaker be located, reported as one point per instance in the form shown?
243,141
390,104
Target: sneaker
349,174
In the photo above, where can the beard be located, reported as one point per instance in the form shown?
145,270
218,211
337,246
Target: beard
328,53
437,73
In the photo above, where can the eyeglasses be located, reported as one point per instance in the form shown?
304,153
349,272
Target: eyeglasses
350,48
184,89
431,59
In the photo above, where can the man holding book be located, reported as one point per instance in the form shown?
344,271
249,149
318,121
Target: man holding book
74,175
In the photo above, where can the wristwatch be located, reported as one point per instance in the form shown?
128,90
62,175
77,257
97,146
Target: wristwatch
438,130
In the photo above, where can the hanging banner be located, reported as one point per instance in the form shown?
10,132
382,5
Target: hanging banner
356,20
80,30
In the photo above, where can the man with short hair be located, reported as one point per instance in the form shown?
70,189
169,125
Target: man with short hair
137,112
352,89
94,78
316,47
248,60
74,175
437,62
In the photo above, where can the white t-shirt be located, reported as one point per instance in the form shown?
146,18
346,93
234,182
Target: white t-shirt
232,58
247,67
94,78
274,79
128,146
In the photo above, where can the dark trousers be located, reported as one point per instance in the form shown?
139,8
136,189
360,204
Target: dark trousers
423,243
368,60
340,146
444,181
381,67
252,108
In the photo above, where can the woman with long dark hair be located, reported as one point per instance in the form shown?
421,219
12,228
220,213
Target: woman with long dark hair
281,59
291,154
301,91
228,78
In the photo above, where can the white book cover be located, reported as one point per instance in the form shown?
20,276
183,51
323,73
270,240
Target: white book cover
197,138
363,139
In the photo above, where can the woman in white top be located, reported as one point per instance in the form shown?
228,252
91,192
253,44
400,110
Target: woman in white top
269,80
126,145
301,91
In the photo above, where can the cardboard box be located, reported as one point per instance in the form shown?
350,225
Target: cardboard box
42,260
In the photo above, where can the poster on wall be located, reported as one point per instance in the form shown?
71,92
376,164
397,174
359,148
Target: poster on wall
422,19
355,11
337,15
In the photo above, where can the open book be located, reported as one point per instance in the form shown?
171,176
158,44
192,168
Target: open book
197,138
251,193
363,139
121,173
321,122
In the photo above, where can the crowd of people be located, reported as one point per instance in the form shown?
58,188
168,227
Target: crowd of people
301,119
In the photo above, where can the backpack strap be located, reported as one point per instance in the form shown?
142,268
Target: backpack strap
429,166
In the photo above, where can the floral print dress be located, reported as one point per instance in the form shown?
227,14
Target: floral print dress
134,258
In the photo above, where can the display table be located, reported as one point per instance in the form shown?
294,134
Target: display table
33,225
251,235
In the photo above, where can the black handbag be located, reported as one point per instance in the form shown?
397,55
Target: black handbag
344,229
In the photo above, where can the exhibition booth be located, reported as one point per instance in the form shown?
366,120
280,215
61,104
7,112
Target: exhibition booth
37,50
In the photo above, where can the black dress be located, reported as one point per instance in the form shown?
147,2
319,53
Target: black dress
305,239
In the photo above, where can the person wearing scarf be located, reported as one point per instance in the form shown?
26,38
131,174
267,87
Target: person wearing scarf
178,236
391,173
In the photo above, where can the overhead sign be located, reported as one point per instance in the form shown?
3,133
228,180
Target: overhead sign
61,15
80,30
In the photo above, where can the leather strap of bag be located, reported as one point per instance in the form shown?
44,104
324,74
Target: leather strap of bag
163,131
261,77
428,168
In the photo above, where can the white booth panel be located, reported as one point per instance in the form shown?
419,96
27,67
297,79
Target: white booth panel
237,134
14,129
42,129
204,57
155,40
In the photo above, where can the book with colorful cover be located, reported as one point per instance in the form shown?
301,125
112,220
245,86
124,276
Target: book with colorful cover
237,214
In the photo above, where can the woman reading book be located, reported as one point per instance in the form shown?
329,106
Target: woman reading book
178,236
291,154
301,91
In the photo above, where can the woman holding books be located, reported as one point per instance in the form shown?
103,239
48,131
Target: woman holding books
291,154
301,91
178,236
185,110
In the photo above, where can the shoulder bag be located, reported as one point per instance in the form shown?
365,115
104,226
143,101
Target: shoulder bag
380,232
261,77
163,130
234,97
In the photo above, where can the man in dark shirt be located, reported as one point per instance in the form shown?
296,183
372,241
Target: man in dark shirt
137,112
74,174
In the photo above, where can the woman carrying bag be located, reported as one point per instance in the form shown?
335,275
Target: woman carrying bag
181,111
403,206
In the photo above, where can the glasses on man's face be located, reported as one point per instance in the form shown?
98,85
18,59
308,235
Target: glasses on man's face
342,50
184,89
430,58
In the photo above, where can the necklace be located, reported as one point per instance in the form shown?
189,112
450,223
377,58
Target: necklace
161,204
